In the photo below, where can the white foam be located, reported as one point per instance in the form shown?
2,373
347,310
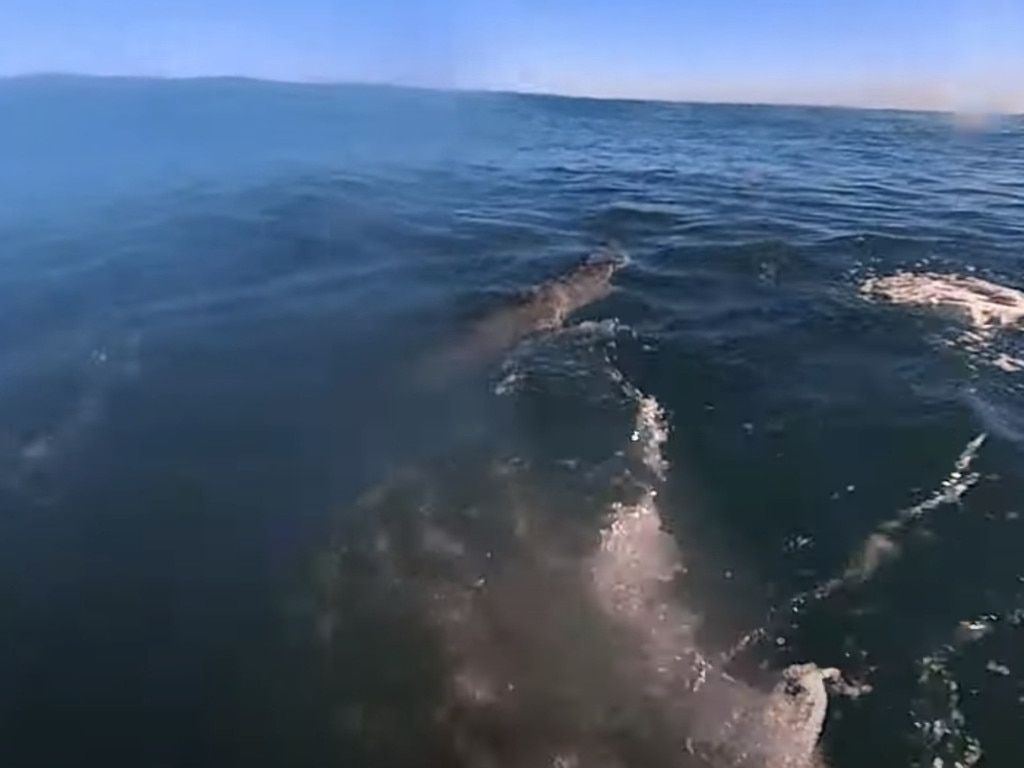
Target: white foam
1008,363
651,433
636,560
940,722
986,308
632,574
938,719
631,578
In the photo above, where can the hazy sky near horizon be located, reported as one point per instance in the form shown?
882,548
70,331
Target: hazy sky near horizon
899,51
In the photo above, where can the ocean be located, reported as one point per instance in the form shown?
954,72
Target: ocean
255,511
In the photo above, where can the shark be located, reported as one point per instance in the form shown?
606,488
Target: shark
524,614
545,307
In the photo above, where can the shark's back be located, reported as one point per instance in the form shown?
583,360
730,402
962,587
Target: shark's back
545,307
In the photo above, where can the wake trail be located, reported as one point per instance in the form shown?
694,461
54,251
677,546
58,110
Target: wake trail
881,547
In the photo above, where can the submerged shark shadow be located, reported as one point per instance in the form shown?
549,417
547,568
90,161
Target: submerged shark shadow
542,308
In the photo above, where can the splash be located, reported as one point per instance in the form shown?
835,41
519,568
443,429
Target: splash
938,719
939,722
985,307
636,561
717,717
942,727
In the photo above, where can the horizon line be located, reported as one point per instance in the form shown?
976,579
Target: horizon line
867,105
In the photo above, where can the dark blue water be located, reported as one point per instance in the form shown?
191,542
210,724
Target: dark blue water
216,295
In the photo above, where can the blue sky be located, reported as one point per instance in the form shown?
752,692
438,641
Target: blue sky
902,51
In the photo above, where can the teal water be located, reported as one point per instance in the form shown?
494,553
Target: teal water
216,296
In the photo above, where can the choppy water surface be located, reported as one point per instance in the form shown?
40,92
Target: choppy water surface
301,463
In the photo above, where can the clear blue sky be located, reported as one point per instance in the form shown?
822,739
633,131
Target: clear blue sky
816,50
